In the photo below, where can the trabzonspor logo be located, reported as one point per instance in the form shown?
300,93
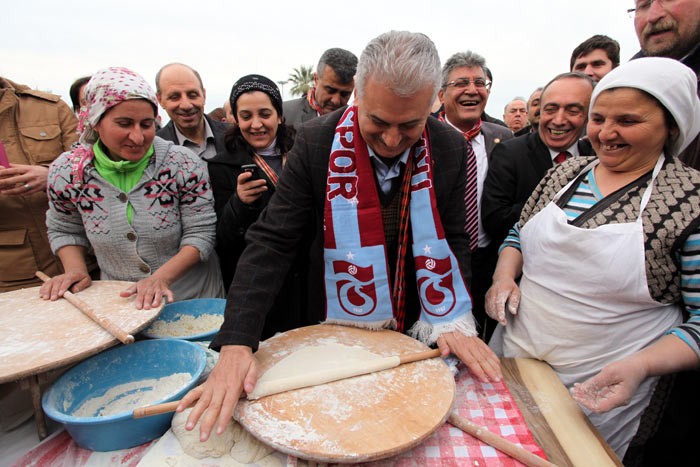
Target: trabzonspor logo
435,285
355,285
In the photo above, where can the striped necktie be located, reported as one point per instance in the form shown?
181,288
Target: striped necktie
472,225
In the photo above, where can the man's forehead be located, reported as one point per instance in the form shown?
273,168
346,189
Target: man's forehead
467,71
567,89
180,77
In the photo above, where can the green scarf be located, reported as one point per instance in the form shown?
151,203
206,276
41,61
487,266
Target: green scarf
122,174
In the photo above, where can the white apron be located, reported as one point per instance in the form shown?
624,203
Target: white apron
586,303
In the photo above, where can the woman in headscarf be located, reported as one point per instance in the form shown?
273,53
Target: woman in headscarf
144,205
245,177
605,251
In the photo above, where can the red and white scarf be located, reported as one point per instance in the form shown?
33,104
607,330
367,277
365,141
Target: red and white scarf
359,291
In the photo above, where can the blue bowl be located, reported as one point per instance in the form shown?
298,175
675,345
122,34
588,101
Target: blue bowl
195,307
97,375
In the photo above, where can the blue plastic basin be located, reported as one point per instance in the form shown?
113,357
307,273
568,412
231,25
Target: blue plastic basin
195,307
95,376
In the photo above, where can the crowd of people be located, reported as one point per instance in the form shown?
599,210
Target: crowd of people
386,197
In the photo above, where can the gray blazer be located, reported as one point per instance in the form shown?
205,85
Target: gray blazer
297,111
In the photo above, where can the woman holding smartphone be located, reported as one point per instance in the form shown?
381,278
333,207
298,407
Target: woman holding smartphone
245,177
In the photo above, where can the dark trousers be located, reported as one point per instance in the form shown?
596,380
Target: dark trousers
483,265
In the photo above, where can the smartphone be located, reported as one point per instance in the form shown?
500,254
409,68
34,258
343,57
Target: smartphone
3,157
253,169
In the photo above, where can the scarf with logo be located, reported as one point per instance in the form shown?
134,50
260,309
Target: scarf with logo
359,291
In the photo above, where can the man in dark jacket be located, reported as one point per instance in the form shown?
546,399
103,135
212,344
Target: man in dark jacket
337,163
181,93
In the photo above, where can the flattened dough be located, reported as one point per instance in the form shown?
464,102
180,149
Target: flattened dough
316,365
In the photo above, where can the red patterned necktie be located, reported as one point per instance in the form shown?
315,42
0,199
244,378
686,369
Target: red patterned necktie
561,157
470,195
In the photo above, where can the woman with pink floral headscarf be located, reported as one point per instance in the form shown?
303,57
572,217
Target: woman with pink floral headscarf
143,204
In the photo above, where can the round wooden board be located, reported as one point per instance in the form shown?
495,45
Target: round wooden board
38,335
358,419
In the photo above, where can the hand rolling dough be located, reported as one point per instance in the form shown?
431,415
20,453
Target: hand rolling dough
316,365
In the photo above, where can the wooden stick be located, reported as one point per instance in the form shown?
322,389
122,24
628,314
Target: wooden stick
171,406
88,311
157,409
502,444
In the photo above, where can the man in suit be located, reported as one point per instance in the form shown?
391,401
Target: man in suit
333,85
181,93
515,114
517,165
342,161
464,93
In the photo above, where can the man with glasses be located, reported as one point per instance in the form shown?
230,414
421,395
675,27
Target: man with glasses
464,93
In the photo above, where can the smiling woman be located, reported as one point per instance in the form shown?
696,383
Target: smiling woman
142,204
605,253
246,176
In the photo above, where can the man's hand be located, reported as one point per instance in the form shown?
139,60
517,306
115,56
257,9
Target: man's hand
235,372
474,353
20,179
501,293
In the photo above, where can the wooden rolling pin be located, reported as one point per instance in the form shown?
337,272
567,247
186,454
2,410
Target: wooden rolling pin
384,363
502,444
88,311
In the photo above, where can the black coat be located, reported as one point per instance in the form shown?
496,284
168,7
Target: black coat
515,169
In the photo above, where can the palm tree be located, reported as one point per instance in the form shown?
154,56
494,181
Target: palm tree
302,80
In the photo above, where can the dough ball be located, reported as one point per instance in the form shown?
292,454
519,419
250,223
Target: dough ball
215,446
246,449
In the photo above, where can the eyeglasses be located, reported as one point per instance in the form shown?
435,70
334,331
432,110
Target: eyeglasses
641,7
463,83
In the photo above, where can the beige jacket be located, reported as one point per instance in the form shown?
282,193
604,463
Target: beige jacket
35,128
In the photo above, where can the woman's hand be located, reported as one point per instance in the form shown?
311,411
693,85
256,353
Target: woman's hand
474,353
502,293
149,292
75,280
235,372
248,190
20,179
614,386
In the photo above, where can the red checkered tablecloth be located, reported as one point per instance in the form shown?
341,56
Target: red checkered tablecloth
487,405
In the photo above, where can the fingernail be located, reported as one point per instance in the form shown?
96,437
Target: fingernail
189,426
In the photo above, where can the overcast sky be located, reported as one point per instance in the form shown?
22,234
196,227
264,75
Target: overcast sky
46,44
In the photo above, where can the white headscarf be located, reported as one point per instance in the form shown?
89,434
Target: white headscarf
673,84
107,88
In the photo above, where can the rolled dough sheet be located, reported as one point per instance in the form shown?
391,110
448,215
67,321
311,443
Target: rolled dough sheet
320,364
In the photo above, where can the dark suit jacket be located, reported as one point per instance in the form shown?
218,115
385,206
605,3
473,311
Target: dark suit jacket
515,169
297,111
493,135
218,128
293,222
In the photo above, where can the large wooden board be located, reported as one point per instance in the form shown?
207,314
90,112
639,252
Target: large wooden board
38,335
359,419
554,418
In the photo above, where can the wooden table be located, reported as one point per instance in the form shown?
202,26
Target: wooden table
556,421
38,336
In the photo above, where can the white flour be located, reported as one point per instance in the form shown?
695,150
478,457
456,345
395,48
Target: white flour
129,396
187,325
